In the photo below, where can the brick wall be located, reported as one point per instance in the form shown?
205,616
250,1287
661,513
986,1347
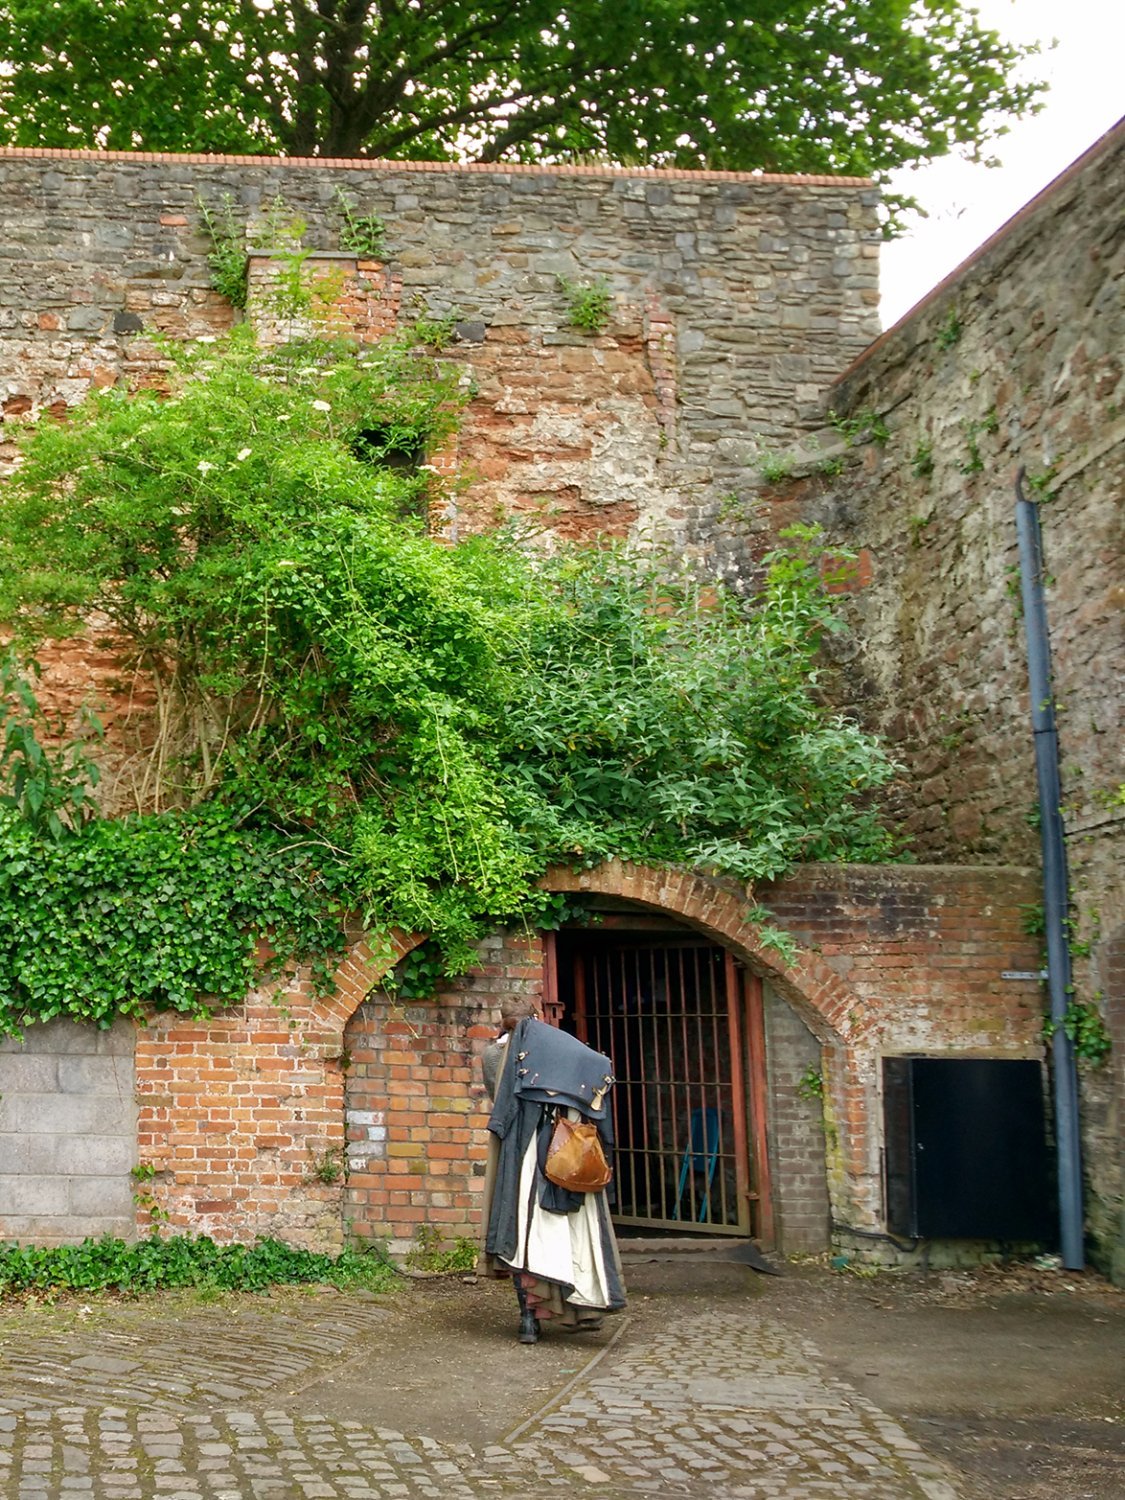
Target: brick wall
246,1119
416,1107
796,1132
67,1133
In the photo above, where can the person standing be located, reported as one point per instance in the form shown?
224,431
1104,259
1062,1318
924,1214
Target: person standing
557,1245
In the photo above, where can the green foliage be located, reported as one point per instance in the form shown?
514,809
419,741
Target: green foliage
1041,485
155,1264
1084,1025
161,910
771,936
922,464
810,1085
1033,919
50,791
420,974
428,1252
362,234
917,525
436,331
812,87
227,258
349,711
328,1167
775,467
279,227
589,303
973,427
864,426
949,334
143,1175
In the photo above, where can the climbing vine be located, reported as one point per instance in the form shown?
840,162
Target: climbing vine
350,713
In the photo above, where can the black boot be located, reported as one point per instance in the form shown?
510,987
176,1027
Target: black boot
529,1323
529,1328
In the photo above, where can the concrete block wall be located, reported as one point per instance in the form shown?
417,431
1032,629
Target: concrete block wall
68,1139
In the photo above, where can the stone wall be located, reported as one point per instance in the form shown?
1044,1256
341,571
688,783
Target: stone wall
1015,361
736,300
68,1136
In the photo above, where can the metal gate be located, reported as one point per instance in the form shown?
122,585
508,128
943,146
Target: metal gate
672,1015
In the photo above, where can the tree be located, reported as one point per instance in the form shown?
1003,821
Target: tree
834,86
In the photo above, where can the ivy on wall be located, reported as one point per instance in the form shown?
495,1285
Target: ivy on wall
350,713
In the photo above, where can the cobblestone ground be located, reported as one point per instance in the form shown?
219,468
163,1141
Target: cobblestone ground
722,1403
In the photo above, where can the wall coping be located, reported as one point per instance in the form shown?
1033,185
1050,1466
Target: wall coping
998,240
470,168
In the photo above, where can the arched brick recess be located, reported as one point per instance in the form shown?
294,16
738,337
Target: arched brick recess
829,1008
839,1018
236,1111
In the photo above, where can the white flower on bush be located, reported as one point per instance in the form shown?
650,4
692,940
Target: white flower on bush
243,454
321,406
204,467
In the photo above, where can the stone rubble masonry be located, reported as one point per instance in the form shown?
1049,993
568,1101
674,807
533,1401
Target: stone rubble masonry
736,300
1016,360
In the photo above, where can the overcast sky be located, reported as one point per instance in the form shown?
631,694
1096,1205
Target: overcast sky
967,203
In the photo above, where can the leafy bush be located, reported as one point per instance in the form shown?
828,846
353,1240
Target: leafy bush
179,1261
347,708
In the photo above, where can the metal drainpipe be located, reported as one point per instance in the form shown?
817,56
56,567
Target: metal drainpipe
1055,888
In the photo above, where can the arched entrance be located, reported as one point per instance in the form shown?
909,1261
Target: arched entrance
682,1021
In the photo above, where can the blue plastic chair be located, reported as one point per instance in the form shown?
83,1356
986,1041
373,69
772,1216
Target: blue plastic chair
701,1156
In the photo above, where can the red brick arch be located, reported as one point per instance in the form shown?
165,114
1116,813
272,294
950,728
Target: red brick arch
830,1009
833,1012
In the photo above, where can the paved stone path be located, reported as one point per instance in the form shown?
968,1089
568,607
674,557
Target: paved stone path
723,1403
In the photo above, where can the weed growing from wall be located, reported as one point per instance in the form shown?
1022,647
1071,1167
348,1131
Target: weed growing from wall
866,426
227,259
949,334
589,303
362,234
